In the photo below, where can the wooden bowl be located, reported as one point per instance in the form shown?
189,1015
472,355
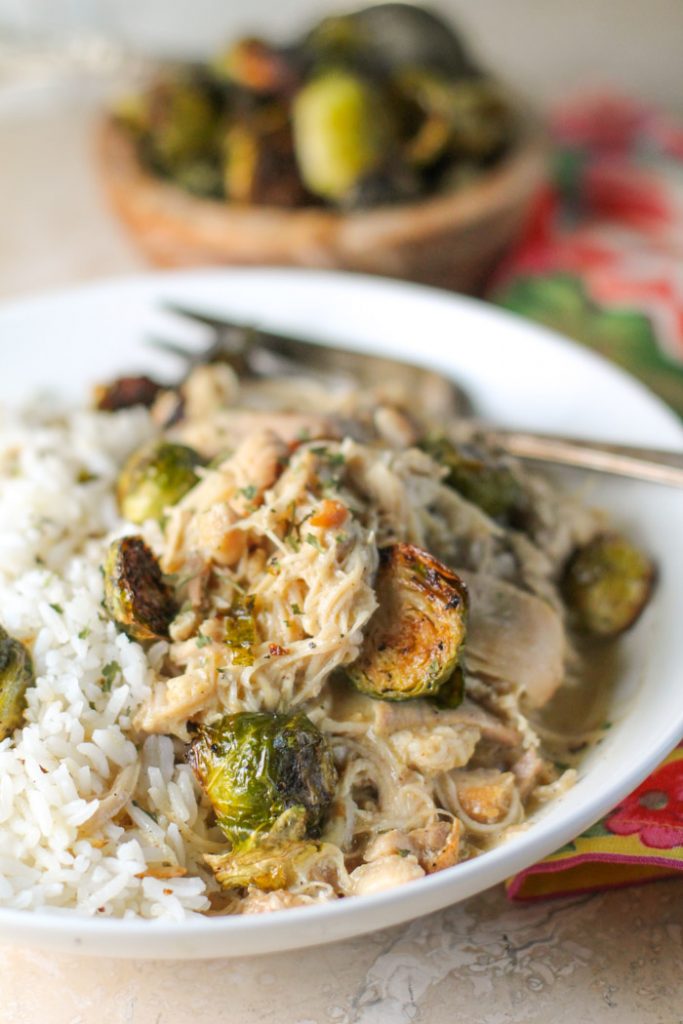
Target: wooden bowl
453,240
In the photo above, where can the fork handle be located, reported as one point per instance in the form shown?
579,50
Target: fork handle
650,464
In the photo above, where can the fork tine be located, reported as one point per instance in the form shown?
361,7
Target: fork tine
215,322
173,348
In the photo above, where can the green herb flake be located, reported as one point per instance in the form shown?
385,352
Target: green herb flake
202,641
84,633
293,541
403,853
296,610
57,608
110,673
249,492
313,541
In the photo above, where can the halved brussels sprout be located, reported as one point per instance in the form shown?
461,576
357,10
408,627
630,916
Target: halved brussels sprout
135,594
155,477
342,132
256,766
414,638
389,36
607,584
16,675
180,122
479,477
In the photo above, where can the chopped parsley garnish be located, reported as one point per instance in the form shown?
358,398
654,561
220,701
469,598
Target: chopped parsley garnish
313,541
110,673
57,608
202,640
249,492
84,633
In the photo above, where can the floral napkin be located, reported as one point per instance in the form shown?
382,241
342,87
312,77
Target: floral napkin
602,261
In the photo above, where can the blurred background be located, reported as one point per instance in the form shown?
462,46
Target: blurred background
543,47
585,233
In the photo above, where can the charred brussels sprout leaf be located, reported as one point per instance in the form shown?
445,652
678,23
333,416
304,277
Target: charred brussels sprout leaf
180,122
607,584
255,766
481,479
259,165
341,132
240,631
255,65
16,675
414,638
452,692
126,392
135,594
155,477
269,865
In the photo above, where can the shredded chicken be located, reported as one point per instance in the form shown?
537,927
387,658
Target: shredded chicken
276,552
514,638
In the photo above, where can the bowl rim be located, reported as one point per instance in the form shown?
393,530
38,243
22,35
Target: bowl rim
56,928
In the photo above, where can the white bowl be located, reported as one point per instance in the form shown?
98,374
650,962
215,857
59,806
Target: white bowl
518,374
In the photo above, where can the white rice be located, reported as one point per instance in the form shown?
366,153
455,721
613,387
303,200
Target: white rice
54,529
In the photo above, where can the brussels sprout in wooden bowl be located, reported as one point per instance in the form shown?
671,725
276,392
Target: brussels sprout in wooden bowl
373,143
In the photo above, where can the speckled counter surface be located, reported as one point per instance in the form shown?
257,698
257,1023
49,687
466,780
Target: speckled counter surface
594,959
612,957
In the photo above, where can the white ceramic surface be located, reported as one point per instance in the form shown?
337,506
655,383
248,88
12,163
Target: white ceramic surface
517,375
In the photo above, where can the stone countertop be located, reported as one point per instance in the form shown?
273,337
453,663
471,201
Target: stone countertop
587,960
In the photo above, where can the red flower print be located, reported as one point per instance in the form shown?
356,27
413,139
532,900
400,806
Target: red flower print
654,811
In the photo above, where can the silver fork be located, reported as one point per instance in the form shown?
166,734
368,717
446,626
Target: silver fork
254,353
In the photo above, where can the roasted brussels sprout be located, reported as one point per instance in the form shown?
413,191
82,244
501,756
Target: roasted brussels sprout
259,165
482,479
342,132
256,766
413,640
607,584
180,121
16,675
465,119
257,66
125,392
155,477
135,594
389,36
